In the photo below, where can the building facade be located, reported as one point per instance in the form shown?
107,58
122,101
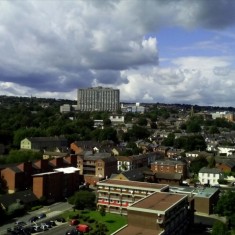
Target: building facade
98,99
159,213
117,195
210,176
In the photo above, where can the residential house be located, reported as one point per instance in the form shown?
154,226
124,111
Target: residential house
225,165
78,147
172,153
169,167
117,119
96,166
210,176
43,143
131,175
225,150
50,155
126,163
163,150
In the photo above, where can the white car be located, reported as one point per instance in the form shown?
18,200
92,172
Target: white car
44,226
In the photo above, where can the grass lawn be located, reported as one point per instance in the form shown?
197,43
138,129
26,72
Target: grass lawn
112,221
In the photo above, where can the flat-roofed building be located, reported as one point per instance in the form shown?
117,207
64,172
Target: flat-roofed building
98,99
117,195
205,198
159,213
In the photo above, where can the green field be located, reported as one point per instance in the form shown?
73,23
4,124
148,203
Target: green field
93,218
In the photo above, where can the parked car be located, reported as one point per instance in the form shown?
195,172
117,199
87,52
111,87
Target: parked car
50,223
82,228
73,232
60,219
33,219
20,223
37,228
74,222
41,216
44,226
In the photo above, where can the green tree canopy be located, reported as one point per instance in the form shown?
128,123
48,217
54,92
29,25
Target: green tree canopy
197,164
83,200
226,205
16,156
170,140
219,228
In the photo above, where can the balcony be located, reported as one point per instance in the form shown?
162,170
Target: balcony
112,197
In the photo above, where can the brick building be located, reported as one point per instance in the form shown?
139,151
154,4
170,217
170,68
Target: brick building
68,181
159,213
170,166
117,195
96,166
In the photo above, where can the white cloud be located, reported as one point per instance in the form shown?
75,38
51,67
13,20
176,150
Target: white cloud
50,48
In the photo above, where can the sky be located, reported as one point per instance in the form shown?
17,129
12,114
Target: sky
154,51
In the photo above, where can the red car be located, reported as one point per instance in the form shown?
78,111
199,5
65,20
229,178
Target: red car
74,222
82,228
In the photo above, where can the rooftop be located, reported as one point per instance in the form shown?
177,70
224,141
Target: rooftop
67,170
157,202
134,184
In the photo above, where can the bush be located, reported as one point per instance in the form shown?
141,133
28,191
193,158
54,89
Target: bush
91,220
86,218
36,208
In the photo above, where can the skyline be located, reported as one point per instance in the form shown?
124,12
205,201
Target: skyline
175,51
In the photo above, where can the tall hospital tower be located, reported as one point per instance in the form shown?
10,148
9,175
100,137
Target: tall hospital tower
98,99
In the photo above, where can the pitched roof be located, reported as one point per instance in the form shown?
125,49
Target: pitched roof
43,139
135,174
168,176
228,162
210,170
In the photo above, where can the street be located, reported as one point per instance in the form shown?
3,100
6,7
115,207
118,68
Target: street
50,211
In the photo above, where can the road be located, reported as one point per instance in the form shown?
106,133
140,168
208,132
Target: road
50,211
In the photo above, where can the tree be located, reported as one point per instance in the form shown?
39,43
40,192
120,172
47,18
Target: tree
16,156
225,205
16,209
219,228
197,164
211,162
142,121
102,211
138,132
107,122
214,130
83,200
169,141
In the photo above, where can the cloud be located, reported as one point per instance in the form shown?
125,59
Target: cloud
54,47
192,81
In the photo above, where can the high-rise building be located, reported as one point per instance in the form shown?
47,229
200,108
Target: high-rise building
98,99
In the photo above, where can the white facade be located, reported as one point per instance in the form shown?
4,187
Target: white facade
226,150
210,176
117,119
65,108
